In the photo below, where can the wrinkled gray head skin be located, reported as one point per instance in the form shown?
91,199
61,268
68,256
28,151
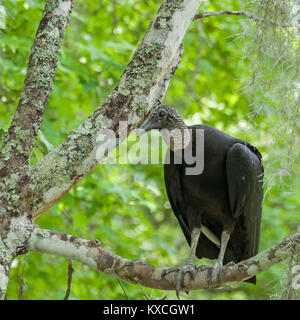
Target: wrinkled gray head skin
163,117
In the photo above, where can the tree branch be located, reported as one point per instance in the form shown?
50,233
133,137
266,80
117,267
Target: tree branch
223,13
244,14
141,87
21,136
70,276
14,235
91,253
19,141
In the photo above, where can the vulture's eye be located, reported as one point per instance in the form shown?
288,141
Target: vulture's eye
161,114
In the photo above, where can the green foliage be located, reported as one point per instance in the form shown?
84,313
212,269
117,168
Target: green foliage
125,206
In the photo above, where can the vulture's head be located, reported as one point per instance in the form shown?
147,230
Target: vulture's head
172,127
163,117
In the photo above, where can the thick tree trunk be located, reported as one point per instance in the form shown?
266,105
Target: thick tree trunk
4,276
13,241
18,142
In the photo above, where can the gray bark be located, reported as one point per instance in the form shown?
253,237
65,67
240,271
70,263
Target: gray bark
21,136
91,253
13,241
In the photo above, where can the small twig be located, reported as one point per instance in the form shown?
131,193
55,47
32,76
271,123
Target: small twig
70,275
145,294
164,297
21,284
223,13
244,14
125,293
48,145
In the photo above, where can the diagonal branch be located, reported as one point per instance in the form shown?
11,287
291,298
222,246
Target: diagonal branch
21,136
141,87
91,253
244,14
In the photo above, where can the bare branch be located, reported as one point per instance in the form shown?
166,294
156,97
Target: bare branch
94,255
21,283
123,289
70,275
244,14
222,13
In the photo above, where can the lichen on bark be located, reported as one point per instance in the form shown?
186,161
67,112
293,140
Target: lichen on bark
20,138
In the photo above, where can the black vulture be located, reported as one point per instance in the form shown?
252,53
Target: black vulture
218,209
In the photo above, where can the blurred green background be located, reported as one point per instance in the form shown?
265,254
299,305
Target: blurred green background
125,206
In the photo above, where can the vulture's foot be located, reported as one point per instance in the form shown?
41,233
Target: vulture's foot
203,267
230,264
188,268
214,272
217,265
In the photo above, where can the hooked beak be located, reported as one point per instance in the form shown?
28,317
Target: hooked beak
146,126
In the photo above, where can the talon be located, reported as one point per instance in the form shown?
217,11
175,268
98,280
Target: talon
217,265
170,270
188,268
213,276
203,267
